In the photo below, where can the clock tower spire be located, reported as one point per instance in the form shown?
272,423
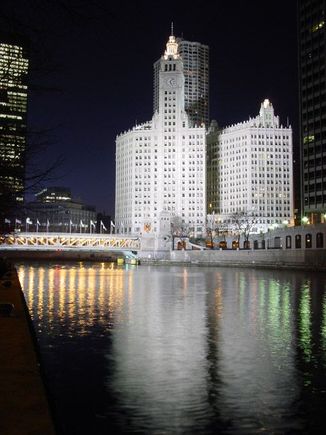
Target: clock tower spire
171,47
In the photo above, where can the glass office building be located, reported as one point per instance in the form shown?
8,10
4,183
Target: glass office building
13,111
312,97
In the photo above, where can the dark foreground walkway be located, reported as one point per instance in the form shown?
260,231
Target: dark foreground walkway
24,408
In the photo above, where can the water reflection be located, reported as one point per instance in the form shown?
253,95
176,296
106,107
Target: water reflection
181,350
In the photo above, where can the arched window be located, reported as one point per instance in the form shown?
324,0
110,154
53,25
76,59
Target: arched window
319,240
255,244
308,241
277,242
298,241
288,242
246,244
263,244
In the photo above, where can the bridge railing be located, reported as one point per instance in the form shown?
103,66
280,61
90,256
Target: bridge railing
71,240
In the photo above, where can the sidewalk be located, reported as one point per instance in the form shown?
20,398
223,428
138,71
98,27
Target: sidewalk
24,409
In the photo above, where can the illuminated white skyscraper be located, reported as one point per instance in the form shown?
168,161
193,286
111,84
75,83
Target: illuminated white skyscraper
255,171
160,165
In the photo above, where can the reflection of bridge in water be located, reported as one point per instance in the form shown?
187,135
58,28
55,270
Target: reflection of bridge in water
70,242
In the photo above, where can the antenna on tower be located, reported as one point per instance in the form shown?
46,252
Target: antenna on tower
172,28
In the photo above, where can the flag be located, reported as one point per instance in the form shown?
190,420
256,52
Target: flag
7,221
38,222
28,221
103,226
18,221
81,223
92,223
112,224
70,223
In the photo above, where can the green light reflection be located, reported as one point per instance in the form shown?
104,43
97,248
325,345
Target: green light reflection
323,328
305,322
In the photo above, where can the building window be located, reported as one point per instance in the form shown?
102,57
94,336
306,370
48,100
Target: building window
319,240
277,242
298,241
288,242
308,241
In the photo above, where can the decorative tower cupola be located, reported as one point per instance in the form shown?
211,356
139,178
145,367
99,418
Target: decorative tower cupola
266,114
171,47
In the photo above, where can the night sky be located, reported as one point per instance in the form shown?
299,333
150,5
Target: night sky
96,72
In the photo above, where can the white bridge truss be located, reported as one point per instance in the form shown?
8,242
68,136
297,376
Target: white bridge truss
67,241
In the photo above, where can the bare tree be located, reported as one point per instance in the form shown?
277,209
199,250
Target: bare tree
215,227
21,150
242,224
180,231
30,21
178,227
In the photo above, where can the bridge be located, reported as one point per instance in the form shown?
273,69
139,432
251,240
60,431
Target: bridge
70,242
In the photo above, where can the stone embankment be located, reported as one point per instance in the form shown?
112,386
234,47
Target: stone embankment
303,259
24,408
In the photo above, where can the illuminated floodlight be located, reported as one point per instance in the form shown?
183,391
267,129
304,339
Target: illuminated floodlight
285,222
305,220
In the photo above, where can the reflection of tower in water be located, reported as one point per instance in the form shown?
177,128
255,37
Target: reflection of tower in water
159,355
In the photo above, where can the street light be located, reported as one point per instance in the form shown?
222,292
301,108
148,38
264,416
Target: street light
305,220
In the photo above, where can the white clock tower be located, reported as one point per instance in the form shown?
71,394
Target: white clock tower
160,165
171,84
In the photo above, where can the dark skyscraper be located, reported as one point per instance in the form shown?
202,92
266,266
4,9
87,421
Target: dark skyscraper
195,58
312,96
13,111
212,169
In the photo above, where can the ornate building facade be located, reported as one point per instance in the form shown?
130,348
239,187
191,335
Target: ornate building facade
160,165
255,170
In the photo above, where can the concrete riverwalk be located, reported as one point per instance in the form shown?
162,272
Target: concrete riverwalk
24,409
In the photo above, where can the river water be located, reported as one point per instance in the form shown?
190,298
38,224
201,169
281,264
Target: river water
164,350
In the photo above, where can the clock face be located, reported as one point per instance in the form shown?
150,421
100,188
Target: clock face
171,82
